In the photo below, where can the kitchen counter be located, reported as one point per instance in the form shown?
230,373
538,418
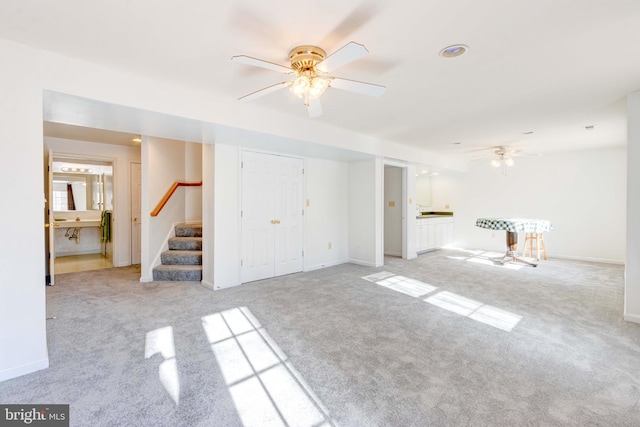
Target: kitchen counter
434,214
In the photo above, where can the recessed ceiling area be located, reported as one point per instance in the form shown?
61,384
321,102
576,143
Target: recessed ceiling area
81,133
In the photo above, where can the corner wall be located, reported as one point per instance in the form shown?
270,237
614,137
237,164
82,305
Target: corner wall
163,163
632,270
366,212
23,338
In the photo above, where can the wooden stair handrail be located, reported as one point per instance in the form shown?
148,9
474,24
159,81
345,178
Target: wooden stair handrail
172,190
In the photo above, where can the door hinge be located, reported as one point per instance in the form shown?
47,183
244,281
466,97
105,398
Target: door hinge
241,263
302,253
241,213
302,171
241,165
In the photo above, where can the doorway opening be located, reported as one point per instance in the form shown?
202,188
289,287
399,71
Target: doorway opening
81,195
394,211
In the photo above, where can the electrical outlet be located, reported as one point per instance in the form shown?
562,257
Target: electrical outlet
308,202
446,206
329,245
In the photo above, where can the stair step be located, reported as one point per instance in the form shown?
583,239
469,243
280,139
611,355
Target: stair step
185,243
181,258
178,273
189,230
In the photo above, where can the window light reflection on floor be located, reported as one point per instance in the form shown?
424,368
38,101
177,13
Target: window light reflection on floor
475,310
472,309
486,258
411,287
161,341
264,386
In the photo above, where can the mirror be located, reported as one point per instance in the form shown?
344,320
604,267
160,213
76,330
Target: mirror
82,187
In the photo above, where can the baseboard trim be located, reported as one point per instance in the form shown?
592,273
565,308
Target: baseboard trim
393,253
208,285
21,370
587,259
632,318
361,262
325,265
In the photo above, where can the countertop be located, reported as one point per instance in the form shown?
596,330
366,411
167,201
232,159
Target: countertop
434,214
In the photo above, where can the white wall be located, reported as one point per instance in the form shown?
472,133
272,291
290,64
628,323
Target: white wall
208,223
365,212
163,165
23,343
393,211
227,248
582,193
193,173
326,215
632,268
122,157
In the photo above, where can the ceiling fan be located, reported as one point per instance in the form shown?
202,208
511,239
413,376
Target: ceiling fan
503,157
310,68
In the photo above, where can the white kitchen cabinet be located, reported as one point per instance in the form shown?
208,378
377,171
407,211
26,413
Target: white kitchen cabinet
433,233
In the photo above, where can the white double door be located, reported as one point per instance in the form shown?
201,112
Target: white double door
272,216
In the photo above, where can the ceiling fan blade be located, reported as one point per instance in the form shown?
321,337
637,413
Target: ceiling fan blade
264,91
343,56
358,87
249,60
315,108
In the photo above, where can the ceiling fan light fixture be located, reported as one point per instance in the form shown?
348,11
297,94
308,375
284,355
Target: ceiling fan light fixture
495,163
508,161
300,85
317,87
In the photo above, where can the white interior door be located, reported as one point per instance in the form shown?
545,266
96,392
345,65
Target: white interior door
136,197
271,216
288,195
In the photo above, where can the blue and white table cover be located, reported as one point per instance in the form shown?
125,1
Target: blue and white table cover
523,225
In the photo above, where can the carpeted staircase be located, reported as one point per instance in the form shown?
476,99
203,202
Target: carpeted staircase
183,260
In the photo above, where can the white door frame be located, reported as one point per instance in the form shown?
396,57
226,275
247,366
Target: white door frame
135,218
113,161
408,203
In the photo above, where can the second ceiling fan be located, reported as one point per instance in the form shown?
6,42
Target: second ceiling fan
310,67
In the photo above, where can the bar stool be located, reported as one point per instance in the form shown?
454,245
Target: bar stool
529,240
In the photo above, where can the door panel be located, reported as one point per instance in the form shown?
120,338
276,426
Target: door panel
257,217
136,197
272,192
288,195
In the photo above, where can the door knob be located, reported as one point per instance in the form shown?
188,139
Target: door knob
135,219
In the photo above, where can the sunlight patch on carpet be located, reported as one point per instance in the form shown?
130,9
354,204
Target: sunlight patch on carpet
485,258
160,341
265,388
475,310
450,301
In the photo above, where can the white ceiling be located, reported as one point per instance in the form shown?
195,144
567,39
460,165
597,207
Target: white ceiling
547,66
